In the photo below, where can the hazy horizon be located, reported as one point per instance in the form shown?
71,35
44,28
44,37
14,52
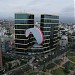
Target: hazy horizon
63,8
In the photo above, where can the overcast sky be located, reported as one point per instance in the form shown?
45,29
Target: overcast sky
63,8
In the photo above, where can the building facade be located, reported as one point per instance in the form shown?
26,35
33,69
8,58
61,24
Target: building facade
23,21
49,26
1,65
5,46
63,42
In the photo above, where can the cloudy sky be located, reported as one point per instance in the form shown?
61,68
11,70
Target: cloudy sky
63,8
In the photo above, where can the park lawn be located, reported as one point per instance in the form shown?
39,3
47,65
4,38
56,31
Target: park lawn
72,59
72,66
58,71
32,73
70,54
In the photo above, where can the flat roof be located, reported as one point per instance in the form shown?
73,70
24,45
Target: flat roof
24,13
50,14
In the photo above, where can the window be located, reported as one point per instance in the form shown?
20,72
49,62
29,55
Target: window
20,50
51,16
46,29
46,33
19,31
21,46
20,36
24,16
24,21
47,25
21,26
19,41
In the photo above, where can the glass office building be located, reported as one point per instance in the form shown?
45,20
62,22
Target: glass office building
49,26
23,21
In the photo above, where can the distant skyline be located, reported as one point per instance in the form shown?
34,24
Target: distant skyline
63,8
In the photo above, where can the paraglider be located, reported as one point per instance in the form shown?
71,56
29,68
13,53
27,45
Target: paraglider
37,33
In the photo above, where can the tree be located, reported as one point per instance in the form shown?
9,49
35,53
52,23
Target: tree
10,66
44,67
67,65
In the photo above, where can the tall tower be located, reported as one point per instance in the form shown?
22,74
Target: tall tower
49,26
23,21
1,65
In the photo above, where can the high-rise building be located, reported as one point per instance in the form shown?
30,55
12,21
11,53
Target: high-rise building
23,21
1,66
49,26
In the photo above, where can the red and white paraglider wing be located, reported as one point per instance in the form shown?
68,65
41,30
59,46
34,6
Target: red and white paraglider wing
37,33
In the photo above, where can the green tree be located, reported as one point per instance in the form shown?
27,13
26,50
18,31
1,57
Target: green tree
67,66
